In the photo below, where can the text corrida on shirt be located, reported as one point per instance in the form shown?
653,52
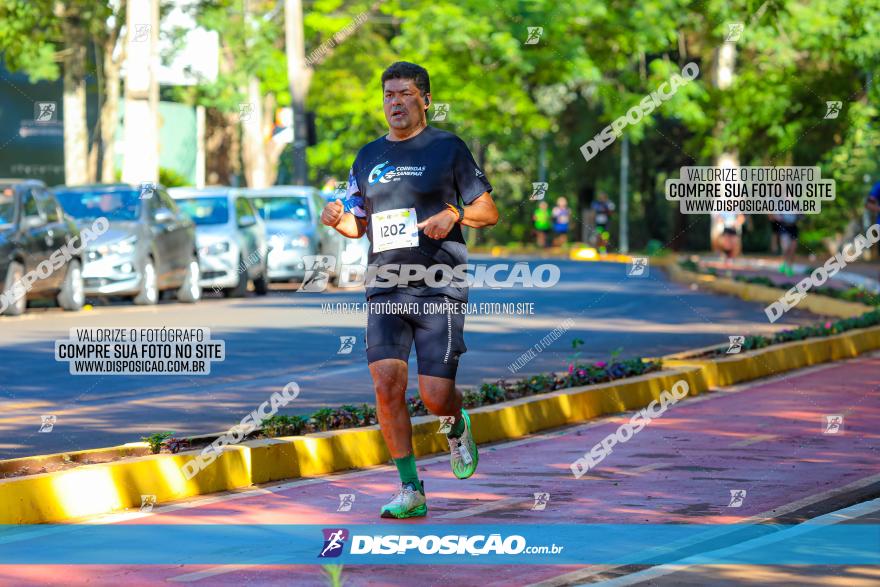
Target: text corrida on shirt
664,92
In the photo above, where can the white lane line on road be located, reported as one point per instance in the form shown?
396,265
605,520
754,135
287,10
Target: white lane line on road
222,570
753,440
497,504
595,570
708,558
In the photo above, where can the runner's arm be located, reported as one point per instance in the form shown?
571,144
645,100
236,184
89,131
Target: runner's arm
345,223
481,212
351,226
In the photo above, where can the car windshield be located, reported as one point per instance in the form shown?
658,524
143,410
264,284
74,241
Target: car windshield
112,204
282,207
206,210
7,205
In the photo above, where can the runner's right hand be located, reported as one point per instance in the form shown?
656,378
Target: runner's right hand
332,213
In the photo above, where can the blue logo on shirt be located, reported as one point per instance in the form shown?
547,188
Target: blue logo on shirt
378,173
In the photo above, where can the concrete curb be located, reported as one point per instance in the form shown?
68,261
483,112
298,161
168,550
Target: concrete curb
817,304
780,358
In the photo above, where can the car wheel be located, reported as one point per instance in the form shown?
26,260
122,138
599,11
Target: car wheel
261,283
14,273
149,293
240,288
191,292
72,295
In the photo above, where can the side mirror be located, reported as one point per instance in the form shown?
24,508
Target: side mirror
246,220
32,222
163,216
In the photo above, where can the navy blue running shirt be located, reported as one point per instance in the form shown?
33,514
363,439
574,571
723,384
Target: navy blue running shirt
424,172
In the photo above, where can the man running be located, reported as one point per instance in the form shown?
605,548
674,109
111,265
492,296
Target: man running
410,191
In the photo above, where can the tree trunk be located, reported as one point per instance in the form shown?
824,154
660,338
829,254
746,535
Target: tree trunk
253,155
76,135
272,149
221,147
141,124
109,117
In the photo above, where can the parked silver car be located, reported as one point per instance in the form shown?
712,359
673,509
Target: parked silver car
150,245
292,215
231,239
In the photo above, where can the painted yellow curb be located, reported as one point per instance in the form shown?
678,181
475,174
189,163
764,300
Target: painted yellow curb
780,358
77,456
109,487
817,304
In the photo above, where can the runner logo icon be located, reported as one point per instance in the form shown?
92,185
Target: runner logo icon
334,540
317,275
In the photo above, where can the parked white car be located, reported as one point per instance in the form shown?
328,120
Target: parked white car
231,239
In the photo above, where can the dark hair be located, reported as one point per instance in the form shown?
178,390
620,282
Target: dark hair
407,70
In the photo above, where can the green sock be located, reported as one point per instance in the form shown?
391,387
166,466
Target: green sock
457,428
406,468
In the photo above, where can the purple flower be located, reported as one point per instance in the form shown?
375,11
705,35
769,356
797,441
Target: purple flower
600,364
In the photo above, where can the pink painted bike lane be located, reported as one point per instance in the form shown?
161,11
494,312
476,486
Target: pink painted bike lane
751,452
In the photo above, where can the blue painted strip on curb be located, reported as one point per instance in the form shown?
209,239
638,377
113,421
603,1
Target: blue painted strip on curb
651,544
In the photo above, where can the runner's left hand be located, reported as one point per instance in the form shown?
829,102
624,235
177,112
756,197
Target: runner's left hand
438,225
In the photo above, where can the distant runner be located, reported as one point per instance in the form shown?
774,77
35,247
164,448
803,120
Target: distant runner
788,241
603,208
541,218
561,217
409,191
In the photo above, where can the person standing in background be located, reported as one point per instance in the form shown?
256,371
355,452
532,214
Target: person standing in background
602,208
730,236
872,204
561,217
543,224
788,241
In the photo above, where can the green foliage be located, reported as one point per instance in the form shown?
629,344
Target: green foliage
592,63
171,178
828,328
333,573
156,441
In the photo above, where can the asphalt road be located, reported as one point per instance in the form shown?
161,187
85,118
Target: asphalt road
286,336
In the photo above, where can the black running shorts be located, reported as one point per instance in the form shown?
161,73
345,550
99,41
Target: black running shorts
435,323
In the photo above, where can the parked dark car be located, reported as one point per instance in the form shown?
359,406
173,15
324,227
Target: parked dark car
33,231
150,246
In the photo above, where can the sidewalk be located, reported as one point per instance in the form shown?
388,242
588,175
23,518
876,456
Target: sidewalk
854,275
765,437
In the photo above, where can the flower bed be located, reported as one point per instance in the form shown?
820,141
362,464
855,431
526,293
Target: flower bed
578,374
487,394
829,328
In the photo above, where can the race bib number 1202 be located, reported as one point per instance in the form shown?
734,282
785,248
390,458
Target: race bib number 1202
394,229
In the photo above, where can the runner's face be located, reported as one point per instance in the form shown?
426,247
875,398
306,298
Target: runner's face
403,104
